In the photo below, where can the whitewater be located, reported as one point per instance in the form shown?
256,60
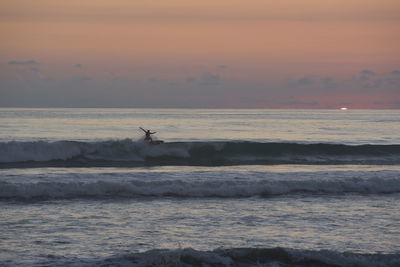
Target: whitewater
79,187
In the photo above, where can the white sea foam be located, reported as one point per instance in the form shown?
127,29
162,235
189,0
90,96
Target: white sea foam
202,185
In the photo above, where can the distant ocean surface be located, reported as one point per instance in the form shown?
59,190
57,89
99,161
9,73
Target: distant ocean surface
80,187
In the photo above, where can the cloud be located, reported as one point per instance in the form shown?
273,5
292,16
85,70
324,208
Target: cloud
208,78
367,72
34,69
82,78
368,85
85,78
369,79
387,103
329,83
345,103
361,82
378,84
197,88
171,83
303,81
190,79
372,84
78,65
300,103
396,72
393,81
23,62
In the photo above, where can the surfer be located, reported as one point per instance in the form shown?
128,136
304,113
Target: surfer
148,135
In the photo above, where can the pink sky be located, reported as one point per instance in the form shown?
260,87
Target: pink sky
176,53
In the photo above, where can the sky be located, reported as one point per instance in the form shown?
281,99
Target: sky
200,54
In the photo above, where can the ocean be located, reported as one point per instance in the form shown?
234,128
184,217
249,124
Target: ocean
80,187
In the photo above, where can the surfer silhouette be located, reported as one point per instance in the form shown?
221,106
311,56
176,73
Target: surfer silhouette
148,134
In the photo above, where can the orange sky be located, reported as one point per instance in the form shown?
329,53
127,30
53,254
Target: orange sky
254,49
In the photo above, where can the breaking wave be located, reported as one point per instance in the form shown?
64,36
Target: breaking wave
127,152
180,188
245,257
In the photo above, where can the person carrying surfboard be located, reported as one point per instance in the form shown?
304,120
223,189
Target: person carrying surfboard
148,135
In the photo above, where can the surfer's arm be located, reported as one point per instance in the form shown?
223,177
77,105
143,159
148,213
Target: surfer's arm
142,129
153,133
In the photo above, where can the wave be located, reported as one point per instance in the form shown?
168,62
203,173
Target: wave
220,188
114,153
253,257
245,257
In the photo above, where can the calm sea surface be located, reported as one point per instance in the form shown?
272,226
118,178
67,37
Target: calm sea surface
226,188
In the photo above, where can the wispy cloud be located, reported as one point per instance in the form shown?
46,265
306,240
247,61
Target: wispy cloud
208,78
367,72
22,62
301,103
396,72
329,83
302,81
